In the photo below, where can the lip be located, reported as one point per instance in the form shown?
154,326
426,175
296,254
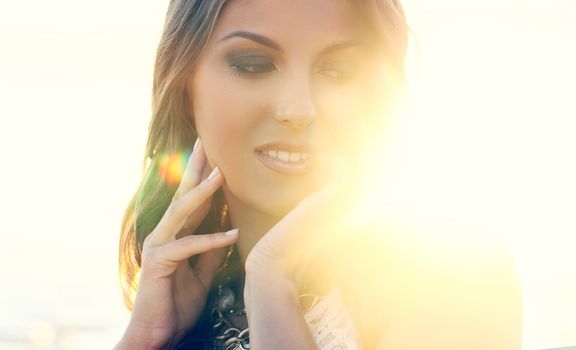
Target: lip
285,167
287,147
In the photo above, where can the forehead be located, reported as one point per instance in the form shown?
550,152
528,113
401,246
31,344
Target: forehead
292,22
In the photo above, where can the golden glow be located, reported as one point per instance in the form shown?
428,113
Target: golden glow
485,146
483,150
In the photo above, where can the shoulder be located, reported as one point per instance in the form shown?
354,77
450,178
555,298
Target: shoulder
415,292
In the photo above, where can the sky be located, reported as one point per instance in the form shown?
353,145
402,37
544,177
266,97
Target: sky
489,120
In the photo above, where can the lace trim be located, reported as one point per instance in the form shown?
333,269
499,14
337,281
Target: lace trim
331,324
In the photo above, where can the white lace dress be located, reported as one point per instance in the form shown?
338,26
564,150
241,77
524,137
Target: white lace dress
330,323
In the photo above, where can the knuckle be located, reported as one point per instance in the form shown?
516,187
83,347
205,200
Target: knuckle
207,241
186,241
212,240
150,256
198,192
205,188
174,210
147,242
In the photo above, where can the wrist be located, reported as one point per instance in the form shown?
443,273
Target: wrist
261,266
126,343
273,307
269,281
135,339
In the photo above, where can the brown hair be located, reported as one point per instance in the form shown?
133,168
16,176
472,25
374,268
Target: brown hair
187,29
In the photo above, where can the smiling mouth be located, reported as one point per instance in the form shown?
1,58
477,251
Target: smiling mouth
286,156
285,159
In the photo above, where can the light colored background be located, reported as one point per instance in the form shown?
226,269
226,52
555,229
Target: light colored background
487,143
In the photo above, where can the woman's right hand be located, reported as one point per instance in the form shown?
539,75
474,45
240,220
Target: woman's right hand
171,295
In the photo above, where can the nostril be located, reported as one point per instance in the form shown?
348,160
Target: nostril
299,118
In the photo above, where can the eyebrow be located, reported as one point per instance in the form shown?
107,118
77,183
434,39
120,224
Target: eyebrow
260,39
265,41
341,46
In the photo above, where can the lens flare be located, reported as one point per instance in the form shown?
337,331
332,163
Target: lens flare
171,166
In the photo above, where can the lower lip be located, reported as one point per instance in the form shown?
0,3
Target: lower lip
284,167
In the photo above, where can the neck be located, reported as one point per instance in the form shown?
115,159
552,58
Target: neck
252,223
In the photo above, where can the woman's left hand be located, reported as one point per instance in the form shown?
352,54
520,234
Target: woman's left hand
318,222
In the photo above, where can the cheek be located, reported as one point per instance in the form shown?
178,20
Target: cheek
351,109
343,110
214,127
223,114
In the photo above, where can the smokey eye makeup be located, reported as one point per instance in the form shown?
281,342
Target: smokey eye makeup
250,64
339,71
258,66
341,68
254,64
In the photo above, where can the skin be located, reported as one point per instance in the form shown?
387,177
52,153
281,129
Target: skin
281,218
312,97
302,94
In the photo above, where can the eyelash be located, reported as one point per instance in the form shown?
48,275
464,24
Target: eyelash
252,69
343,75
256,70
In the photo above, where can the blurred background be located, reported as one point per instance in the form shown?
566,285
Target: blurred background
486,144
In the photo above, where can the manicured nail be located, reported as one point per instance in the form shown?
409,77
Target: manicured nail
214,173
196,144
233,232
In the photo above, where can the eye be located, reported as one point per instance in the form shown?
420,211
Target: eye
338,71
251,65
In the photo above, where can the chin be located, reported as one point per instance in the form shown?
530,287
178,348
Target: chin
281,207
270,193
279,200
280,203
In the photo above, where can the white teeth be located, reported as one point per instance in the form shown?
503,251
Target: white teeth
287,156
283,155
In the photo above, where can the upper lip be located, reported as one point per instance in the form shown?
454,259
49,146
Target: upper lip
281,146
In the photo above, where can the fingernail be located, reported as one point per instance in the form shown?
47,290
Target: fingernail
214,173
196,144
233,232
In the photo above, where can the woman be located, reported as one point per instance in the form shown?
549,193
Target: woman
254,235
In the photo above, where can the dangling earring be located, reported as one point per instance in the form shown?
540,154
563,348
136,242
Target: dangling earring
224,222
224,219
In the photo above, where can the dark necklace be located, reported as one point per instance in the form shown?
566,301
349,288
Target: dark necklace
226,304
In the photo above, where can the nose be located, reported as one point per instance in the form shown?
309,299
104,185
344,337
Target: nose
296,106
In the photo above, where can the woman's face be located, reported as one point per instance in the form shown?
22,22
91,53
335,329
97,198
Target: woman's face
278,81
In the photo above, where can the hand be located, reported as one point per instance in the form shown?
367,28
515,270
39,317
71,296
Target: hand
317,224
171,294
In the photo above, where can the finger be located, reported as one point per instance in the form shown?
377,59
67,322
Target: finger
193,172
180,209
194,220
185,247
